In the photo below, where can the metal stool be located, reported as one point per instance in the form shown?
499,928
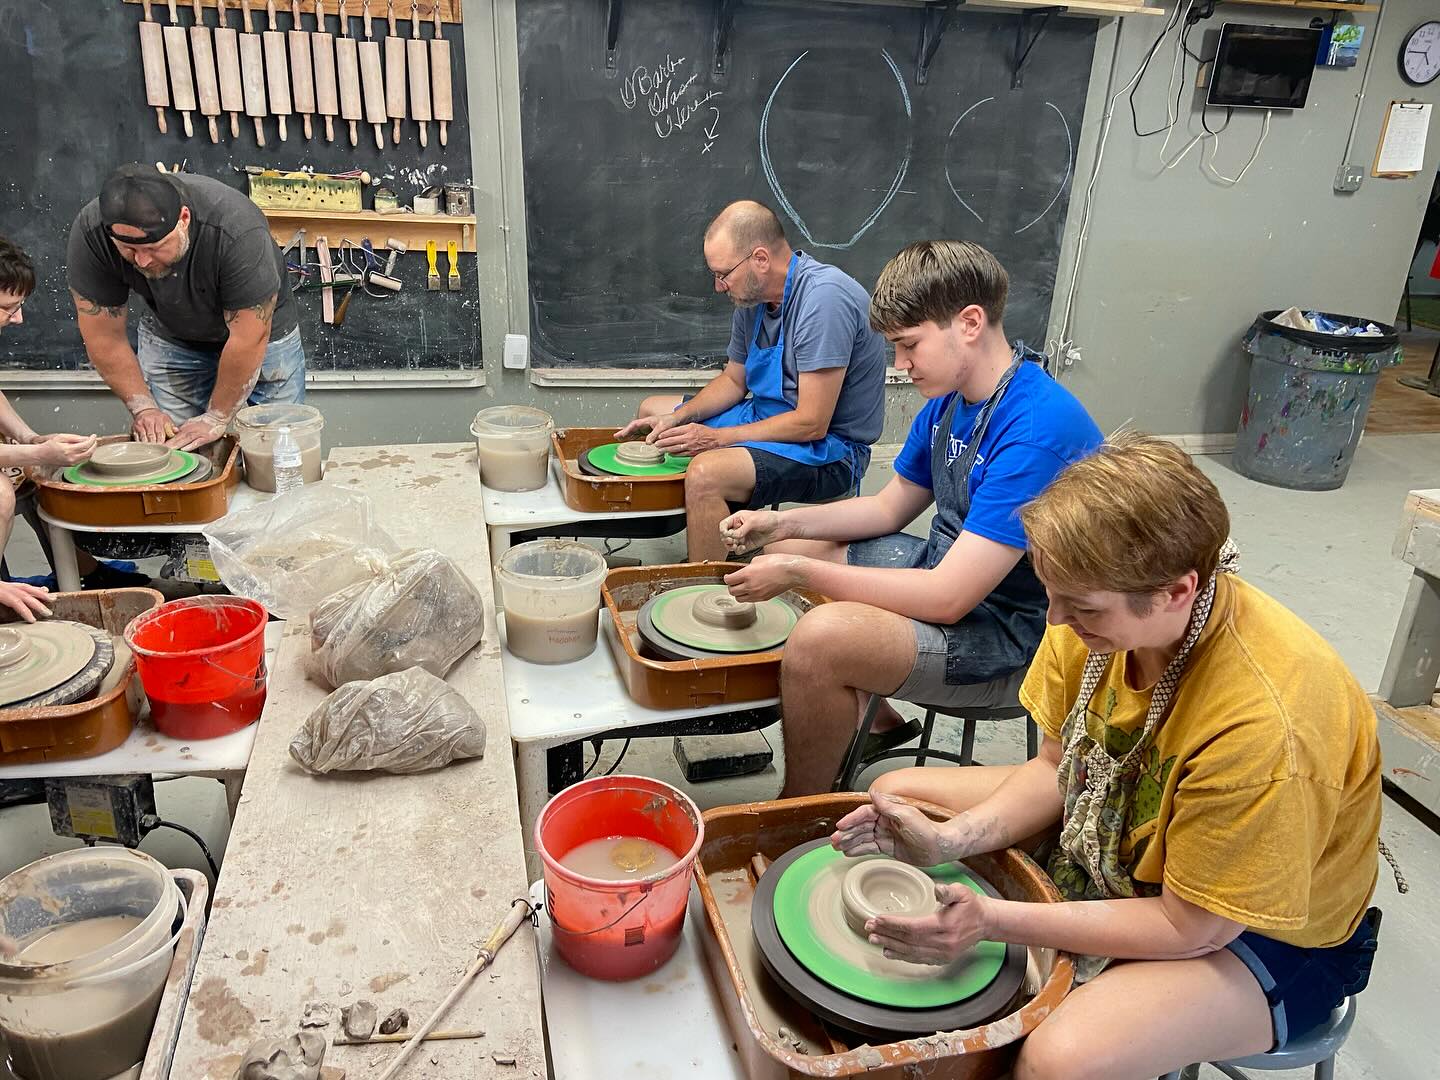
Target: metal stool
1317,1048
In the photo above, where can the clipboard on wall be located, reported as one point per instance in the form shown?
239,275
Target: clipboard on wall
1401,150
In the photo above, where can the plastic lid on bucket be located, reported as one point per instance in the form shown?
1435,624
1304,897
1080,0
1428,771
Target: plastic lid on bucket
300,419
504,421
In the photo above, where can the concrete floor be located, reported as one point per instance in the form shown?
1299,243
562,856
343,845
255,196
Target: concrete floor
1326,555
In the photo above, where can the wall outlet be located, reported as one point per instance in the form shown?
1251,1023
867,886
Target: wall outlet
517,352
1349,177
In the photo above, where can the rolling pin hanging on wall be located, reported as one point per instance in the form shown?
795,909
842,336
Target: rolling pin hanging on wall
302,75
177,56
374,81
394,74
347,69
277,70
207,85
444,103
152,57
417,60
252,72
227,64
322,51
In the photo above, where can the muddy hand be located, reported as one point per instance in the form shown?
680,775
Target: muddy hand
889,826
749,529
939,938
27,601
199,431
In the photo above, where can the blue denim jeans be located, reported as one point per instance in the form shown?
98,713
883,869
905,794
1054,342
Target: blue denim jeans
181,380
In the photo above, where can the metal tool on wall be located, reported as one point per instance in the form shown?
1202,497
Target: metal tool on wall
277,70
302,72
432,280
347,68
417,61
252,72
227,65
373,80
177,58
207,84
322,51
452,252
394,74
152,57
444,102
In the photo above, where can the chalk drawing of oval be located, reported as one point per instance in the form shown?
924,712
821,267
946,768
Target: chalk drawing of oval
787,204
969,204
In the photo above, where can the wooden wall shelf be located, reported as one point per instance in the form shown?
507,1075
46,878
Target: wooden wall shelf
411,229
1303,5
449,10
1092,8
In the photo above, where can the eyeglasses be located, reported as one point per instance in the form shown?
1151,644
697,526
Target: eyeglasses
722,278
9,311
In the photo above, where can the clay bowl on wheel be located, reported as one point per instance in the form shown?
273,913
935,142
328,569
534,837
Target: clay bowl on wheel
130,459
884,887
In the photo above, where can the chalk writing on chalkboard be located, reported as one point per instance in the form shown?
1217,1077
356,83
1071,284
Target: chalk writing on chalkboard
774,181
1059,188
670,97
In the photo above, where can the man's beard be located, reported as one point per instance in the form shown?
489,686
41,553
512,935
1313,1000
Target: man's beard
157,272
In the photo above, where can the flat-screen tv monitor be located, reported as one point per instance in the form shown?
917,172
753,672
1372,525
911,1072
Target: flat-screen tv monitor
1263,67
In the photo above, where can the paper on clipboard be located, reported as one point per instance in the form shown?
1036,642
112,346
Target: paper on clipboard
1402,143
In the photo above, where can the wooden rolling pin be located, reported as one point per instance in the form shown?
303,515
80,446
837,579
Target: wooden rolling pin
227,63
444,103
322,51
417,60
252,72
374,81
152,56
277,70
177,56
394,75
347,69
302,75
207,84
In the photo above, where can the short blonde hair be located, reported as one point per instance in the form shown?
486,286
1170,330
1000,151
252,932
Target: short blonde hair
935,280
1133,517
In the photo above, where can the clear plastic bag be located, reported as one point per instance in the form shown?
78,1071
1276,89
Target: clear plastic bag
420,610
402,723
291,551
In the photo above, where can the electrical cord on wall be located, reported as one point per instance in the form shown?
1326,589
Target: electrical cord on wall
1213,139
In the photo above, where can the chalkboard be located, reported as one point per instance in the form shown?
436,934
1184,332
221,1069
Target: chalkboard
819,114
74,108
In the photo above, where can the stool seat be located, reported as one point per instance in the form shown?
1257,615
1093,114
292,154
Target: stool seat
1317,1048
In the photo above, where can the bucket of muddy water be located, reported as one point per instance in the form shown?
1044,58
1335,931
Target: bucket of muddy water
513,445
96,930
617,852
550,592
258,426
202,663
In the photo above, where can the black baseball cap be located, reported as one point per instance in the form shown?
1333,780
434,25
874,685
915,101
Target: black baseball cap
141,197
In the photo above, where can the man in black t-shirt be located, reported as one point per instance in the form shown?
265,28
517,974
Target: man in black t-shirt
220,328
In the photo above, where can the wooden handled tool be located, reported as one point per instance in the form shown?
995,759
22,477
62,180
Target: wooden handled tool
177,57
302,74
394,74
417,60
347,68
327,272
227,63
374,82
322,51
277,70
152,56
252,72
444,103
207,84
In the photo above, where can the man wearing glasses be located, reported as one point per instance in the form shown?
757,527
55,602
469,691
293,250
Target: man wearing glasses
792,416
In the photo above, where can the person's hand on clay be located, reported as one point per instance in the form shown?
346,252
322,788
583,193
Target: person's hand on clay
747,530
652,426
887,825
199,431
767,576
687,440
63,449
939,938
151,425
27,601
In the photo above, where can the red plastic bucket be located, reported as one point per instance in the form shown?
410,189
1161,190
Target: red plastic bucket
617,929
202,663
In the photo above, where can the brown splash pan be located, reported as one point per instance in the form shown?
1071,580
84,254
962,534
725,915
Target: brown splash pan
144,504
678,684
607,494
84,728
739,840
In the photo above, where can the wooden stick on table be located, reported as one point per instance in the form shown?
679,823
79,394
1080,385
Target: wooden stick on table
252,72
322,51
394,74
302,74
207,83
177,56
440,79
417,59
152,57
347,67
227,62
277,70
374,81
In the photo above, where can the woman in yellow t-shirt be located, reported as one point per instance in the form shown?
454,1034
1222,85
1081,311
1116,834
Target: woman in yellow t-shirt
1213,770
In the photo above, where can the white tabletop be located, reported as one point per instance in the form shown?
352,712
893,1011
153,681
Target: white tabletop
547,506
668,1024
241,497
147,751
564,702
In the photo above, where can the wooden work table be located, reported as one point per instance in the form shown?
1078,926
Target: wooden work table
370,886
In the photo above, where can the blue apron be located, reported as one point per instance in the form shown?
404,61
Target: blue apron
765,380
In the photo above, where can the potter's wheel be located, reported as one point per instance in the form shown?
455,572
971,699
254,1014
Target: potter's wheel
631,459
701,622
173,467
797,918
51,663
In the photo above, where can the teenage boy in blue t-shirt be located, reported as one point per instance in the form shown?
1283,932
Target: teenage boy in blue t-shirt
952,619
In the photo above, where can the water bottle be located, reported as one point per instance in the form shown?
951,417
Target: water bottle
289,473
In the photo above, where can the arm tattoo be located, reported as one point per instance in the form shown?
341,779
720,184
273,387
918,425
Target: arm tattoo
90,307
262,311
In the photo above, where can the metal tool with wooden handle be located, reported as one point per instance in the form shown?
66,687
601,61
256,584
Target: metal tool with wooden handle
277,70
227,64
394,74
417,60
207,83
302,74
442,100
177,58
373,80
347,69
152,57
252,72
322,51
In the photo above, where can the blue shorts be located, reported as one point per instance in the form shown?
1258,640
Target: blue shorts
1304,986
181,379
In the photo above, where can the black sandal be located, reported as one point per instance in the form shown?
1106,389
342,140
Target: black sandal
877,742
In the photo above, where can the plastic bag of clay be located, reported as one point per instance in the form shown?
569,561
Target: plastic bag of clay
291,551
402,723
420,610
